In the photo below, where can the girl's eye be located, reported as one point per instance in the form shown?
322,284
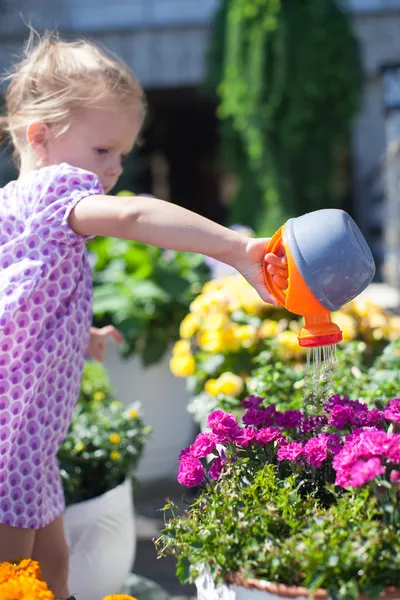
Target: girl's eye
102,150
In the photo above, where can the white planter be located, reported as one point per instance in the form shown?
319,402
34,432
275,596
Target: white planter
206,590
101,535
164,402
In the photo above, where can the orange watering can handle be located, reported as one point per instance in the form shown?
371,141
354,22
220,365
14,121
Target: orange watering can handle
274,245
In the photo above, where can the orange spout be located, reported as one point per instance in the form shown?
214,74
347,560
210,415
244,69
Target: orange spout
318,329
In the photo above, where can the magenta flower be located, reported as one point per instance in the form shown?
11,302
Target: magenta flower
290,451
254,416
204,444
369,418
265,435
248,435
392,411
216,468
252,402
185,453
289,419
313,424
316,450
341,416
364,471
395,476
224,426
191,472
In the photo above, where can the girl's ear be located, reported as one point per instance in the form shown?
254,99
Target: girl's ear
37,137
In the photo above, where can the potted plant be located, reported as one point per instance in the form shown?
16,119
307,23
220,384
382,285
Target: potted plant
292,503
145,292
229,335
98,459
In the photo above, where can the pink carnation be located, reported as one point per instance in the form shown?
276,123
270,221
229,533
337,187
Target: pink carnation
246,437
392,411
204,444
216,468
191,472
265,435
364,471
290,451
341,416
224,426
289,419
254,416
316,450
252,402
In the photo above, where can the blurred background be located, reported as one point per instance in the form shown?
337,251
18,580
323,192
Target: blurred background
254,116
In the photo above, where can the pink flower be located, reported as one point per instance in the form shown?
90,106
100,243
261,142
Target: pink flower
395,476
341,416
191,472
224,426
369,418
204,444
316,450
289,419
290,451
185,453
392,411
364,471
265,435
254,416
216,468
252,402
247,436
313,424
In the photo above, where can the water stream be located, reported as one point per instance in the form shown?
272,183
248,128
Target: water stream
321,363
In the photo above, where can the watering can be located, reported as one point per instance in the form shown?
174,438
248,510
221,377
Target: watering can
329,264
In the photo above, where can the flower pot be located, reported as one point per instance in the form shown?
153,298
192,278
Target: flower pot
254,589
101,536
164,402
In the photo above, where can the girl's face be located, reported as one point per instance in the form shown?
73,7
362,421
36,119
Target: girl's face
97,140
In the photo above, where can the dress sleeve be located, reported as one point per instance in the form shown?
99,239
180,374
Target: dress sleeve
56,193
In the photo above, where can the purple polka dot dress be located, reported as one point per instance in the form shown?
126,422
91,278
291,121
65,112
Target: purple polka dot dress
45,318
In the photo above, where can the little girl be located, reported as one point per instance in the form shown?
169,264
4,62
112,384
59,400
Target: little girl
73,113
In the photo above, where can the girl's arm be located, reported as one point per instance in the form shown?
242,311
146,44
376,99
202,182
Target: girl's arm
169,226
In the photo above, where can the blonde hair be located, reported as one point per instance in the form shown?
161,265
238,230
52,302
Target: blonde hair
56,77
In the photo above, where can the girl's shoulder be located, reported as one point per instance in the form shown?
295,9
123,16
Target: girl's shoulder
55,178
53,193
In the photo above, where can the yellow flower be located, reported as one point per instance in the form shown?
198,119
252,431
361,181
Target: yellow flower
181,348
347,324
189,326
269,329
115,455
99,395
79,446
114,438
182,365
119,597
246,335
289,344
212,341
228,383
133,414
215,321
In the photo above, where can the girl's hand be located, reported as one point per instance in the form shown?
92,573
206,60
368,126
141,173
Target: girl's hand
250,264
99,339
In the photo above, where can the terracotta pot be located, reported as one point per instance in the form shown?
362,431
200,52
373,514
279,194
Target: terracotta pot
254,589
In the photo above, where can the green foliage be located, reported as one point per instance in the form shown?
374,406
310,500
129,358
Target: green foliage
104,442
256,525
289,80
145,292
